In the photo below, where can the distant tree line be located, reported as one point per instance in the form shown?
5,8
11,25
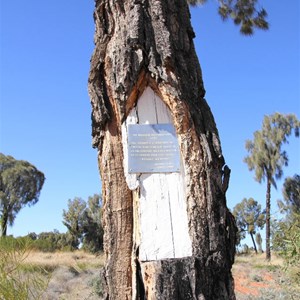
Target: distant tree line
83,220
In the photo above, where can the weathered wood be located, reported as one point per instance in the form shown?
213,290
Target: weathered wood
162,214
149,43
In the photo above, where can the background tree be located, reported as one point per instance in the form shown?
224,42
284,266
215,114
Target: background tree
291,252
92,227
73,219
258,240
278,233
244,13
20,185
83,220
249,217
291,196
286,232
267,158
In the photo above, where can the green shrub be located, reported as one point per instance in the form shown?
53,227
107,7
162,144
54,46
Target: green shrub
51,241
291,249
14,282
44,245
96,284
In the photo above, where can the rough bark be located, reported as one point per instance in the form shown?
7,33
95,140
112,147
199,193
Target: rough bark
150,43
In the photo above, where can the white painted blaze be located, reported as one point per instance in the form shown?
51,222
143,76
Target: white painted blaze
162,212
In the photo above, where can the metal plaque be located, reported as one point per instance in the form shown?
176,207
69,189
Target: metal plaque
153,148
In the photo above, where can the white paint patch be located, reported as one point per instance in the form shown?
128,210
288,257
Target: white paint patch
162,204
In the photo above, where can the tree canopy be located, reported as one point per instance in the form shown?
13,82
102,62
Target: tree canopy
92,226
286,233
249,217
20,185
83,220
73,219
291,194
245,13
267,158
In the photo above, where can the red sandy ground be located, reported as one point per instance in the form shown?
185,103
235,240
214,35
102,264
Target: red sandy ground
252,275
247,286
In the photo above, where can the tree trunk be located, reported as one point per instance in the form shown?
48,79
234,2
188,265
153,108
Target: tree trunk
254,245
4,222
145,47
268,224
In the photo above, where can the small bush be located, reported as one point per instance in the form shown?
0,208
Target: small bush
96,284
15,283
257,278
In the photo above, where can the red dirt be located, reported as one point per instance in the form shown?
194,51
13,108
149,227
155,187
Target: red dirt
247,286
249,281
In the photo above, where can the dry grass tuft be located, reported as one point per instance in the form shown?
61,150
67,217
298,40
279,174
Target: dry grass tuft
72,274
64,259
258,259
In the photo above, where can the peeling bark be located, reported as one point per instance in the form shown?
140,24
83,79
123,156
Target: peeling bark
150,43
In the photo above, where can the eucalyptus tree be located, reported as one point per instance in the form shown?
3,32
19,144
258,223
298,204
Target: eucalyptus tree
291,227
244,13
92,226
249,217
291,196
73,219
267,158
20,185
285,232
145,70
83,220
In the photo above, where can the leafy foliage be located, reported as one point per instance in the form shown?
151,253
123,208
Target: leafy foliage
291,196
83,220
244,13
249,217
286,241
266,155
14,284
286,232
92,228
20,185
51,241
73,220
267,158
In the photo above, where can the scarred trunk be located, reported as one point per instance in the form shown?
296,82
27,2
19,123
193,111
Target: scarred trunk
145,47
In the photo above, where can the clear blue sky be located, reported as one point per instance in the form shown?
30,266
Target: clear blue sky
45,111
